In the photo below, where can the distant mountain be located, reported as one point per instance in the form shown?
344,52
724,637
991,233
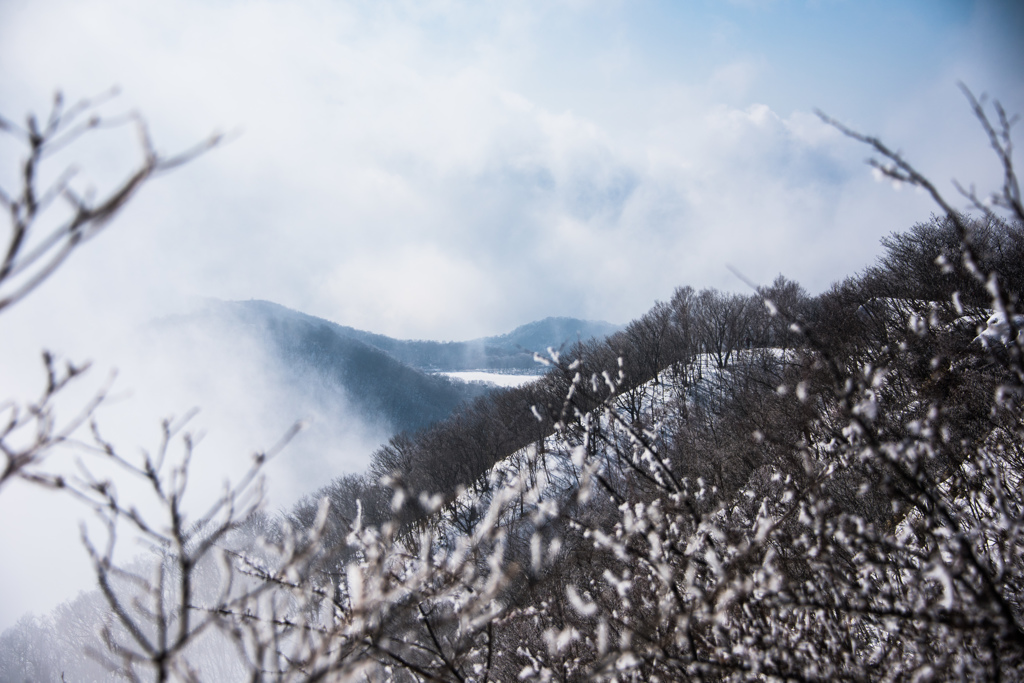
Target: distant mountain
318,361
387,380
511,352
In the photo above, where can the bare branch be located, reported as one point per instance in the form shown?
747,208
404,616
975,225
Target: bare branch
20,271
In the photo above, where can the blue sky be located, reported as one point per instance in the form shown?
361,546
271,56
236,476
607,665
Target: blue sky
449,169
827,54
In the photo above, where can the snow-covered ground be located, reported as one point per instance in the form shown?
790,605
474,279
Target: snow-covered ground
496,378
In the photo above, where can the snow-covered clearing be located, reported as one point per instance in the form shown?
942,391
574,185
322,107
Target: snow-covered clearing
496,378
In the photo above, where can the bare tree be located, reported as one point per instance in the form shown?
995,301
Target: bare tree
723,324
29,258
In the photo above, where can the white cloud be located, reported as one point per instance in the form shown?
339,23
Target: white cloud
734,80
369,132
412,285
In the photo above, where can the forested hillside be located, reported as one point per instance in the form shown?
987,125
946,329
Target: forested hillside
825,493
733,486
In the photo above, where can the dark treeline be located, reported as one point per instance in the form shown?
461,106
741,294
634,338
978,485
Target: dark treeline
726,355
724,409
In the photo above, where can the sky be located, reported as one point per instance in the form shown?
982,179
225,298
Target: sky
448,170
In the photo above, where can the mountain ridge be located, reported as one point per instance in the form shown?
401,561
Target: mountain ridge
387,381
512,351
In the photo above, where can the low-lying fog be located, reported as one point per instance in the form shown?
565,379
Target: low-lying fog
245,402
